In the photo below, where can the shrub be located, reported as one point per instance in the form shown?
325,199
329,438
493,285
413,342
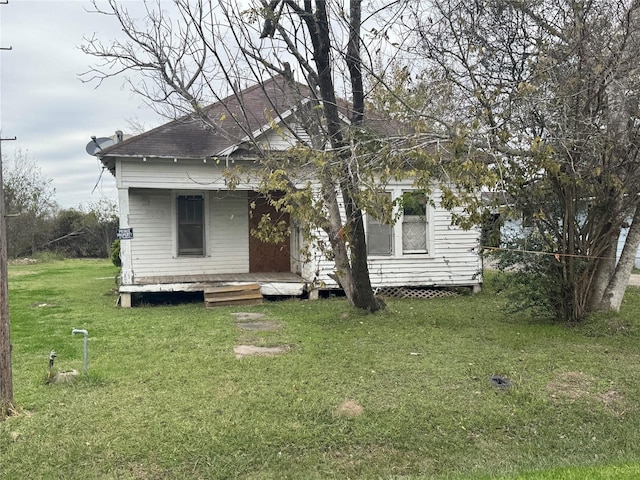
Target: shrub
115,253
535,279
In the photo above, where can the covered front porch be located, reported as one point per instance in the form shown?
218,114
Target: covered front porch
274,284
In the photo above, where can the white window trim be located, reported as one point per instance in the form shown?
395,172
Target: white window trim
174,222
428,231
397,251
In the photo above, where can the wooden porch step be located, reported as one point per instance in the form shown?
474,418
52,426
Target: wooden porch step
248,294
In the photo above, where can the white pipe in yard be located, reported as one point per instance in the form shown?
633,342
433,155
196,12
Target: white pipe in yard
86,347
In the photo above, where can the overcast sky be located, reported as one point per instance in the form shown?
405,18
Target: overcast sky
44,104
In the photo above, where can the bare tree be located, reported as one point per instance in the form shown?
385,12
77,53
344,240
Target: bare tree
199,52
29,202
102,215
549,90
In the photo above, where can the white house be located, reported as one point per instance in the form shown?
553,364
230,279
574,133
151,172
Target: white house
188,229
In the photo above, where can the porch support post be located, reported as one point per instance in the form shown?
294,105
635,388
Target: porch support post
125,245
125,300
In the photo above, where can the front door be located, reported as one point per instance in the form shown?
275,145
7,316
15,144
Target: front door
266,256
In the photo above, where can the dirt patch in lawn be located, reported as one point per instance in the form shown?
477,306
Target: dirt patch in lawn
252,350
577,385
571,385
349,408
614,401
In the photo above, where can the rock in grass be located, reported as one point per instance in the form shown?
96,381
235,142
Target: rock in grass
63,377
249,350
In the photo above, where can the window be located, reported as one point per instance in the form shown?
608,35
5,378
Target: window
379,235
190,213
406,232
414,222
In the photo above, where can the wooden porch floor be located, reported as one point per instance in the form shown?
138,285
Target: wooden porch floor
271,283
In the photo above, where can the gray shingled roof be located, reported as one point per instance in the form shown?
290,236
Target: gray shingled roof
188,137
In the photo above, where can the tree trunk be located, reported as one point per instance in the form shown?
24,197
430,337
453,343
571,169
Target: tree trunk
352,270
362,294
613,294
618,124
602,275
605,266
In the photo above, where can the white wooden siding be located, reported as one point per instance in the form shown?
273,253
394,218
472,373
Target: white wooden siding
452,260
163,173
187,174
453,264
283,140
153,253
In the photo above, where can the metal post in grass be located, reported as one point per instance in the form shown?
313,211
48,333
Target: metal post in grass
86,347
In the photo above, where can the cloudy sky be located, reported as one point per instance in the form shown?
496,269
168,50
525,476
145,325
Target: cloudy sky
44,104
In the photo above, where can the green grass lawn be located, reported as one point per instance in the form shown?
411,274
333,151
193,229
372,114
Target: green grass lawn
166,398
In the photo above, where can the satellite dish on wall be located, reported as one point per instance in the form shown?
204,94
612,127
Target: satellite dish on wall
96,145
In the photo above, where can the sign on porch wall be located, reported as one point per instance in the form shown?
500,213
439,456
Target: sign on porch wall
124,233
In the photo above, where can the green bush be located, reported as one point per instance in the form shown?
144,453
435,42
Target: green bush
533,279
115,253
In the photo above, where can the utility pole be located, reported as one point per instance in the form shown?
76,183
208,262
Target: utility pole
6,377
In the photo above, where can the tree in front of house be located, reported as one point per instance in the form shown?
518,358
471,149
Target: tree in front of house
548,92
196,53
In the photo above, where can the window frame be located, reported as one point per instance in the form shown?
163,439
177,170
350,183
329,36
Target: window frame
396,230
425,221
186,252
